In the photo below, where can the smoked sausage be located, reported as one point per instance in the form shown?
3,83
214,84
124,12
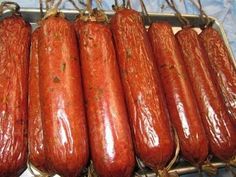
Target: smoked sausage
35,129
220,130
149,118
109,132
223,68
61,98
179,95
14,57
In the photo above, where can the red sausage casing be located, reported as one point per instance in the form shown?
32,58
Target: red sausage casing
35,130
109,133
14,55
61,99
149,118
180,98
223,68
220,130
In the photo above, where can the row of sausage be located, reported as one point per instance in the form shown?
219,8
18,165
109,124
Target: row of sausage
71,91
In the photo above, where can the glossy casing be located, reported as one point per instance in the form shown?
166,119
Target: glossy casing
181,101
149,118
61,98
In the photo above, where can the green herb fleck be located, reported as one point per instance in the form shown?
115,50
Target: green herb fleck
90,37
99,94
100,91
51,89
128,53
63,67
56,79
57,36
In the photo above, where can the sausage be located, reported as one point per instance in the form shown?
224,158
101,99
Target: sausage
109,132
219,129
61,98
148,114
179,95
35,129
14,56
223,68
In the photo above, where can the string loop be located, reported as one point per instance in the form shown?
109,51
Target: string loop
182,19
128,4
144,11
204,17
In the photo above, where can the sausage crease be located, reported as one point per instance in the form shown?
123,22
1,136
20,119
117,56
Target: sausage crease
35,129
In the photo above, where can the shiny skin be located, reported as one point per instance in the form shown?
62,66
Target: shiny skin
35,129
14,56
149,118
179,95
61,98
220,130
223,69
109,133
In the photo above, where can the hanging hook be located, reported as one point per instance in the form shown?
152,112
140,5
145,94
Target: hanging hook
75,6
182,19
41,8
116,3
89,7
58,4
82,3
144,11
123,3
99,13
53,10
204,17
128,4
99,4
49,4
